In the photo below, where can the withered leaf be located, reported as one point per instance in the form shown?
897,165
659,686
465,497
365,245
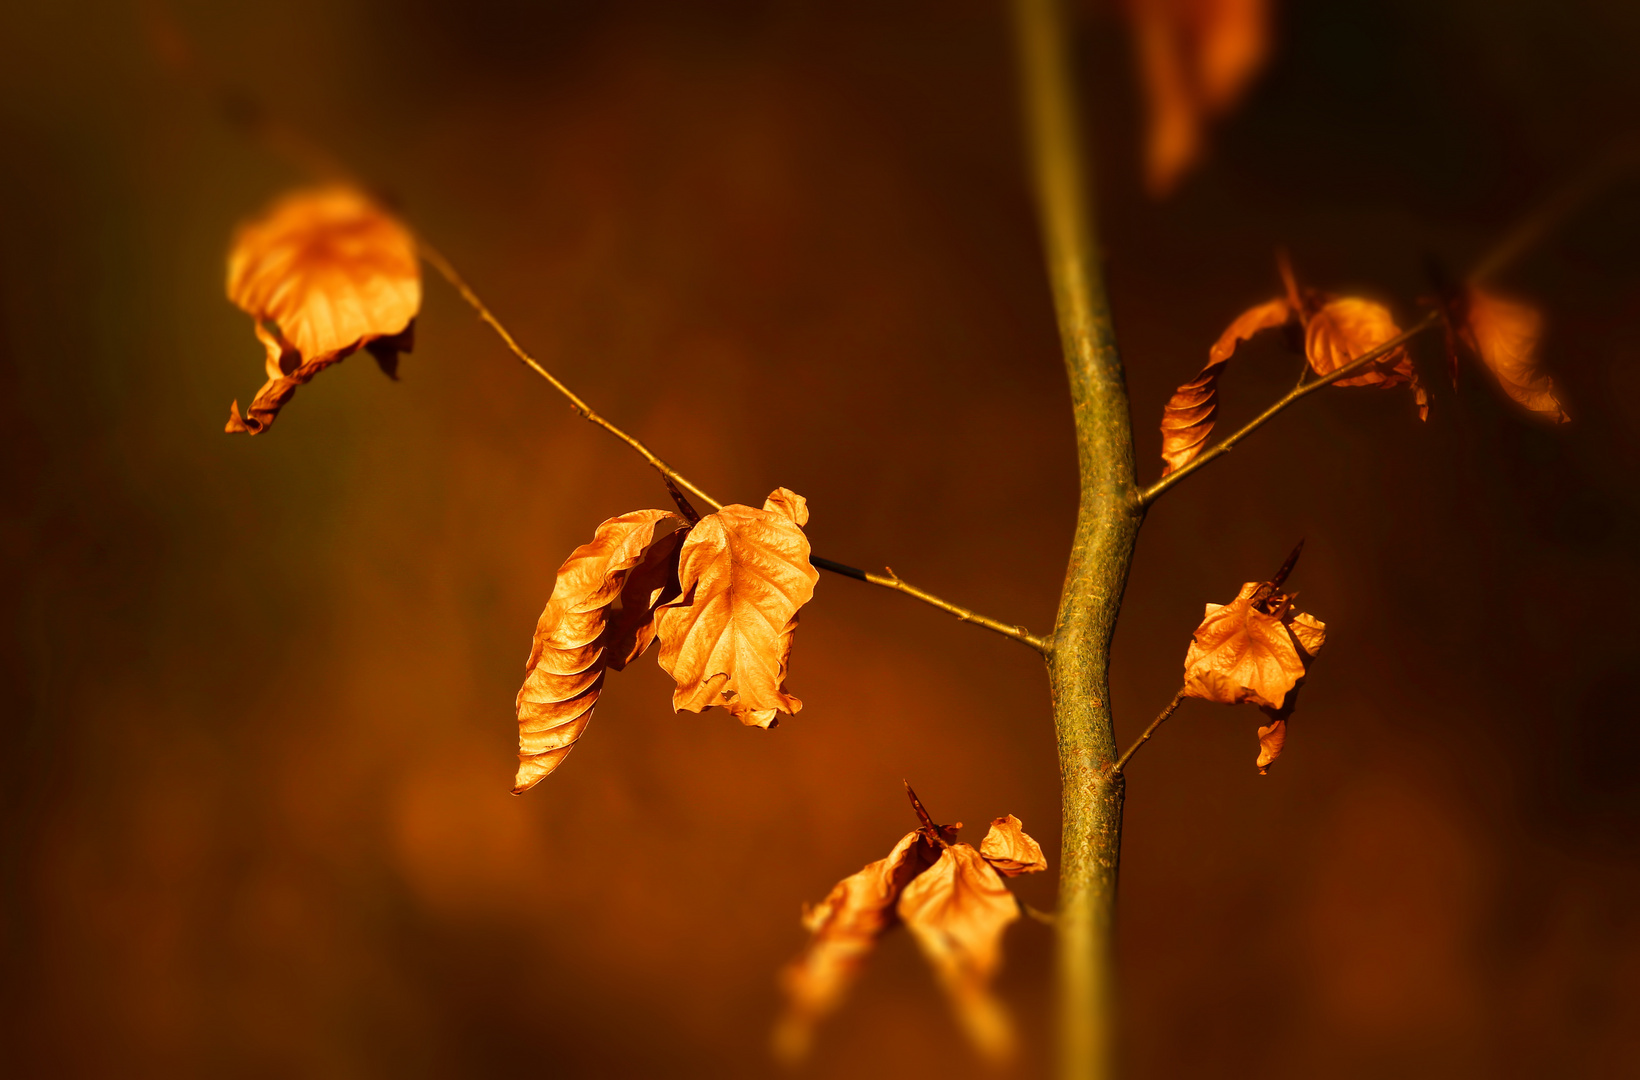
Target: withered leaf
600,616
1505,335
1254,649
1195,58
846,926
1187,419
957,910
1342,329
324,272
1009,848
744,574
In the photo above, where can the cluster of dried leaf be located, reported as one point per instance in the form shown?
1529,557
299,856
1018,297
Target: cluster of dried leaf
952,899
1335,331
721,594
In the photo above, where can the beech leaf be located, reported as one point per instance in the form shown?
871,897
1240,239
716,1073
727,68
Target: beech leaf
600,616
846,926
1254,649
1505,335
957,910
1342,329
1010,849
1195,59
1188,417
744,574
324,272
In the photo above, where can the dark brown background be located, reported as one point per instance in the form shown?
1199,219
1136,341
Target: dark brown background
258,692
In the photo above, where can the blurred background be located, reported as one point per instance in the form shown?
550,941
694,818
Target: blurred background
258,692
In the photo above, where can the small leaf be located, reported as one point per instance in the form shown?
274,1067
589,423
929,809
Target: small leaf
744,573
324,272
600,615
1254,649
1010,849
846,926
1505,335
1195,60
957,910
1188,417
1343,329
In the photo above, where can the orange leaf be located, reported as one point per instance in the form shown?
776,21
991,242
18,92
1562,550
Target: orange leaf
845,927
1254,649
1187,419
1342,329
324,272
1010,849
1505,334
744,574
957,910
600,616
1195,58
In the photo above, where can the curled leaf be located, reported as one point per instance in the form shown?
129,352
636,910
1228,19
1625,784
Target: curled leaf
957,910
600,616
1010,849
324,272
1505,335
1187,419
846,926
1344,329
744,573
1254,649
1195,59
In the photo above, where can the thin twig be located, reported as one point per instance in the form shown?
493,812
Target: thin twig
891,580
438,262
1227,444
1149,731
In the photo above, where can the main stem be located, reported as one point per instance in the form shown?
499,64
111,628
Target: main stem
1107,523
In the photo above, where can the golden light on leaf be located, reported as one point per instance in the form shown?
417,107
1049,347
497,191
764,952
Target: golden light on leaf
1188,417
744,574
1346,328
1195,59
324,272
600,616
1505,335
1256,649
953,900
845,928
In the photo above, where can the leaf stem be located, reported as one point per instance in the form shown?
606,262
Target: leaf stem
1122,761
891,580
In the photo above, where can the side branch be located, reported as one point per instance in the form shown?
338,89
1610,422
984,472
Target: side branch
437,261
1228,443
1161,718
892,581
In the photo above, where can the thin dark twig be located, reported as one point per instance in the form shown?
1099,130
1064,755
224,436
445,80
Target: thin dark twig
1149,731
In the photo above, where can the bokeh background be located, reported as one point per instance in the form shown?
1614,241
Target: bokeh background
258,692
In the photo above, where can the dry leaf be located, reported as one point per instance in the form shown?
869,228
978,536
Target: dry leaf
1187,419
957,910
323,272
727,641
1010,849
1343,329
955,903
1195,59
845,927
1505,334
1255,649
600,616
